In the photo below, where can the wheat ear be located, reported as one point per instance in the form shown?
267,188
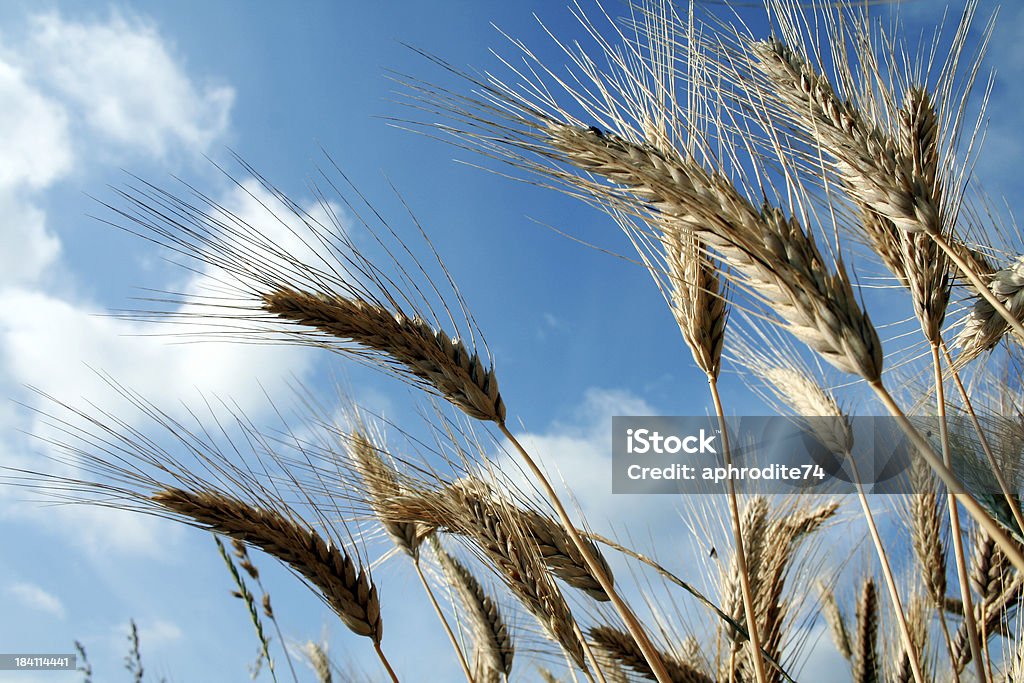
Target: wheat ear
916,616
318,659
835,621
782,538
926,539
790,382
556,549
494,649
381,483
472,511
780,262
876,171
620,647
344,586
865,661
983,328
430,355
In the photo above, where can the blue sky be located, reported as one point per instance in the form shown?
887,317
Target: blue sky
90,90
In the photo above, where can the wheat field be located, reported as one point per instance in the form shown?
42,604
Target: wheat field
793,188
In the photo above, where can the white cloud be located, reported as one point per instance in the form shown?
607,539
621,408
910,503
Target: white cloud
77,92
123,79
34,597
117,81
55,345
35,147
159,633
35,150
29,247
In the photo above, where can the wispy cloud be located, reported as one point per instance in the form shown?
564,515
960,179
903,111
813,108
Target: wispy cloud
121,78
34,597
158,633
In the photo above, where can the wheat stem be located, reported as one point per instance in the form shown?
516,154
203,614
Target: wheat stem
385,662
630,620
948,478
890,580
737,535
954,523
444,621
590,655
997,471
